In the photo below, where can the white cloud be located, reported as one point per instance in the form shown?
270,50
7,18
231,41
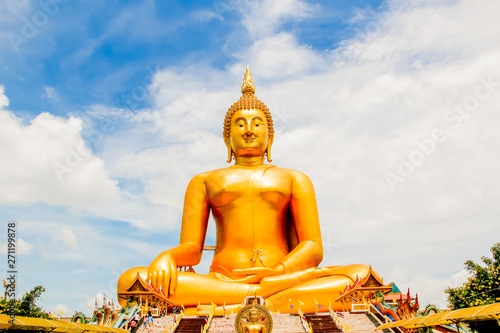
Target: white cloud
430,289
67,237
48,161
203,15
263,18
12,10
58,308
50,93
21,247
279,56
89,305
4,101
24,247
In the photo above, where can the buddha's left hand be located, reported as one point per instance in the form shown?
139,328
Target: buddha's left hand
256,274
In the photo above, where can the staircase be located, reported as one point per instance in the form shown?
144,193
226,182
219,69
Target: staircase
159,325
284,323
190,325
222,325
321,323
377,319
359,322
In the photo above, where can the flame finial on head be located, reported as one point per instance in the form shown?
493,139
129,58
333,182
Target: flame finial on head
248,86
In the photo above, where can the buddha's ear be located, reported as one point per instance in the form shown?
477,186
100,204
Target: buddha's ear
229,150
269,144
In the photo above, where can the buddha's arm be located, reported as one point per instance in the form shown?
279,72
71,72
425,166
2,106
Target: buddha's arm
162,271
194,223
309,252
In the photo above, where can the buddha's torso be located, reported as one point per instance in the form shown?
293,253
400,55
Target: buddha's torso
249,206
253,327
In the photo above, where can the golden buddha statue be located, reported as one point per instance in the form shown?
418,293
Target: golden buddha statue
268,239
253,326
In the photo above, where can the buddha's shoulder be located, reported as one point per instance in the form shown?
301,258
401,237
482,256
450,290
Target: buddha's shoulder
290,173
268,169
207,175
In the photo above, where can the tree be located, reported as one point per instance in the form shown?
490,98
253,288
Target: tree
26,306
482,288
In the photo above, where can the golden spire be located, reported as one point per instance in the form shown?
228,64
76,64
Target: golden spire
248,86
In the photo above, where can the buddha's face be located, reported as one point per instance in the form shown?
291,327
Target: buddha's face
249,134
253,316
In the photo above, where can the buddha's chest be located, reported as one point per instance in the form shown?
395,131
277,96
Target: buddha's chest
248,187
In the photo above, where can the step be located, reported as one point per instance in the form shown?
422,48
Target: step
190,325
282,323
358,322
321,323
159,325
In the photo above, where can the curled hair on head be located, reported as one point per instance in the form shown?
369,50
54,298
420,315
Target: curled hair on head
248,102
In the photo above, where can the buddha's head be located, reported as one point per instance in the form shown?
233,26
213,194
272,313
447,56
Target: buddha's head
254,316
248,126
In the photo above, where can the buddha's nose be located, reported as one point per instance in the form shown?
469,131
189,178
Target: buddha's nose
249,134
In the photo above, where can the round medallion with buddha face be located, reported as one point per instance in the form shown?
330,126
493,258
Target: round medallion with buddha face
253,314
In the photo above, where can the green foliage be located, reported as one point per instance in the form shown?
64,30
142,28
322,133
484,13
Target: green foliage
26,306
482,288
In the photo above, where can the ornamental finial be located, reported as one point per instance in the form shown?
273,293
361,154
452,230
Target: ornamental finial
248,86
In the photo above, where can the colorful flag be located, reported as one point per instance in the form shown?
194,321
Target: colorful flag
291,306
317,304
354,300
339,314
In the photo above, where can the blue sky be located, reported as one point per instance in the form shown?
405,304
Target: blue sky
108,108
94,51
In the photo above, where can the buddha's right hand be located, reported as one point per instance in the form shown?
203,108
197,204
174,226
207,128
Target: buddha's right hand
162,273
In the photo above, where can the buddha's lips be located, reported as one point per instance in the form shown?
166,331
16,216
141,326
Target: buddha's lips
249,137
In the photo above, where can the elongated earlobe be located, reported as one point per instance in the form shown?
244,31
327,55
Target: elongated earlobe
229,150
268,149
229,154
